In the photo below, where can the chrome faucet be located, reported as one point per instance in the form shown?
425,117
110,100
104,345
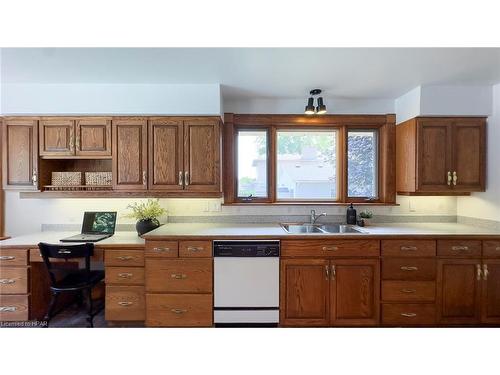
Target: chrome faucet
315,217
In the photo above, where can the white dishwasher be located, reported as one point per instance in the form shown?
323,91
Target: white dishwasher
246,283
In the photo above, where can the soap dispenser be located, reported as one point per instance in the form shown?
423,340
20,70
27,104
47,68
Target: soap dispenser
351,215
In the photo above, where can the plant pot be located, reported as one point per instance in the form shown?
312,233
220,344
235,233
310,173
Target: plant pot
367,221
145,226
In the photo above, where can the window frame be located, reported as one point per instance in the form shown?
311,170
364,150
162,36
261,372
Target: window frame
384,125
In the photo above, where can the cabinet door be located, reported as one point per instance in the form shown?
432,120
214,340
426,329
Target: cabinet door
458,291
490,301
20,154
354,292
468,155
57,137
93,137
202,155
304,292
130,154
433,155
166,169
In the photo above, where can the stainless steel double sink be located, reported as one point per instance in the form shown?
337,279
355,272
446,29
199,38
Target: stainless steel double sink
303,228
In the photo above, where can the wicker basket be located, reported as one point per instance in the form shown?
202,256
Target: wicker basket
66,178
98,178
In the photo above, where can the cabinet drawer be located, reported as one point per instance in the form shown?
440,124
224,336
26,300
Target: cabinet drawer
409,248
407,314
341,248
402,291
162,249
125,303
408,269
491,248
179,310
14,308
13,280
195,249
179,275
459,248
125,275
134,258
13,257
35,256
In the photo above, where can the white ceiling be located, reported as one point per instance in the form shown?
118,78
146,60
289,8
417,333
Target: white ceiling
260,72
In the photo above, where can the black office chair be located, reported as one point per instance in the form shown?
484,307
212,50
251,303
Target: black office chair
65,280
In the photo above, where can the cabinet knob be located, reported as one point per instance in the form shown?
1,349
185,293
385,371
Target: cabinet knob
178,311
34,177
408,248
195,249
178,276
161,249
478,272
409,268
485,272
448,181
186,178
409,315
334,271
125,303
460,248
330,248
8,308
327,272
7,257
180,179
408,291
7,281
455,178
144,177
123,257
125,275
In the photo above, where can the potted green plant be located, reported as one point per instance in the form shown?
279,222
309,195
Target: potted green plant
146,214
366,215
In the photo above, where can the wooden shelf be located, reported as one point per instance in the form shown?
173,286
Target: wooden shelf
252,204
115,194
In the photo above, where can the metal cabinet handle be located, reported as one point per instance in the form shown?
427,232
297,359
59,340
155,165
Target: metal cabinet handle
409,315
34,177
478,272
7,281
186,178
330,248
460,248
194,248
64,251
408,291
178,276
125,303
334,271
408,248
123,257
449,178
181,182
125,275
178,311
455,178
485,272
409,268
71,143
161,249
8,308
7,257
144,177
327,272
77,141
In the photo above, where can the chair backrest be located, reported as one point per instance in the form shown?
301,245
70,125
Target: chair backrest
64,252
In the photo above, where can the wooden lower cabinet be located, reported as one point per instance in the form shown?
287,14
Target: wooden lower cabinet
304,292
14,307
490,292
354,292
125,303
179,310
408,314
459,291
322,292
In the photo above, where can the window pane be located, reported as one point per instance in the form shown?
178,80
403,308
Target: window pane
362,150
307,164
252,163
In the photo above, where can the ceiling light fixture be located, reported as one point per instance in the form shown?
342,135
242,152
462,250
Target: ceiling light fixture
310,109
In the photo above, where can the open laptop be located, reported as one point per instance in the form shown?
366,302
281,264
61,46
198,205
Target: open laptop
96,227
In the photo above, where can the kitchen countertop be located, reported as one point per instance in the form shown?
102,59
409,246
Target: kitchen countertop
32,239
255,231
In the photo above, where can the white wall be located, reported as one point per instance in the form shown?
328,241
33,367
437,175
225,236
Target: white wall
487,205
147,99
407,106
296,106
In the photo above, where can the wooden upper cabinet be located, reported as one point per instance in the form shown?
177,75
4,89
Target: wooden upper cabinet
130,154
468,155
57,137
355,291
20,154
304,292
459,291
490,292
440,155
166,167
202,155
93,137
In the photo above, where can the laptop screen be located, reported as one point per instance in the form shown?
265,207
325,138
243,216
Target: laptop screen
99,222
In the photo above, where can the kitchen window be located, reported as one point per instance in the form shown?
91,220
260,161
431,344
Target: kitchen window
288,159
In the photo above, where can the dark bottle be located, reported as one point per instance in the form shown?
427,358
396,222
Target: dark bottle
351,215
